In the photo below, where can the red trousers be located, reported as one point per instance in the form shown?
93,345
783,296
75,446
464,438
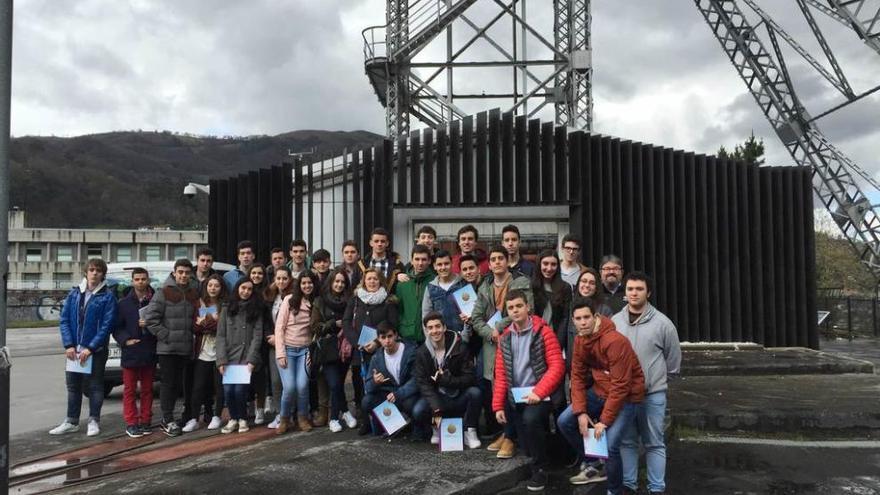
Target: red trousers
130,379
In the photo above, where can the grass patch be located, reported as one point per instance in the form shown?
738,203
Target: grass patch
32,324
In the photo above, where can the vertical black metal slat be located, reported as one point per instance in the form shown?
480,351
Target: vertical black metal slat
600,157
357,218
253,212
506,182
286,205
428,160
626,198
232,220
616,201
370,160
455,163
403,195
771,262
494,172
707,232
534,156
580,211
467,161
388,187
809,249
415,172
660,220
241,227
520,164
648,244
548,168
758,236
675,208
690,251
442,167
739,214
298,192
277,202
791,259
639,219
221,244
564,171
726,248
310,198
264,216
212,213
797,242
481,157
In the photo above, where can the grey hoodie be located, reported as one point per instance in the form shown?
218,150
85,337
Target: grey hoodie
655,340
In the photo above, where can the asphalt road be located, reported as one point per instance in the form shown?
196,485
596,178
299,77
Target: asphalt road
38,394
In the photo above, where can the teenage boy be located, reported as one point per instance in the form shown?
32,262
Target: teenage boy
382,258
298,257
438,296
611,271
245,250
390,376
321,266
444,372
571,268
276,261
606,384
204,264
510,240
412,292
491,296
87,317
467,245
528,356
170,317
138,355
655,341
426,236
350,262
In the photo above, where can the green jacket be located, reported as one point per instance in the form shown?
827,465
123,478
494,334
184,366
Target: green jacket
411,294
485,308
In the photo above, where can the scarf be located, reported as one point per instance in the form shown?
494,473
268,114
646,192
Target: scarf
372,298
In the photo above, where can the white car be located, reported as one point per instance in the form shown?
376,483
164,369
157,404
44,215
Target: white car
119,278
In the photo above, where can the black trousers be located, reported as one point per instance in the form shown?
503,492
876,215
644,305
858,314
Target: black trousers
173,368
206,386
530,422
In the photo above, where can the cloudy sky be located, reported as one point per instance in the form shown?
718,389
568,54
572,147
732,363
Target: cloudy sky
270,66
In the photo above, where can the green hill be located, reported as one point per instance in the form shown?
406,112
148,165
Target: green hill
131,179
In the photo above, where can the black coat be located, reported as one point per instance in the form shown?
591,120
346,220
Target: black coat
358,314
144,352
458,370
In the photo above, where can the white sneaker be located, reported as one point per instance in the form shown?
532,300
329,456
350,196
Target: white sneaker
349,419
471,439
231,426
242,426
259,417
191,425
94,429
215,423
275,422
335,426
435,436
64,427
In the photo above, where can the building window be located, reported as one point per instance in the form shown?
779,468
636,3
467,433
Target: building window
123,253
30,280
62,279
152,253
180,252
64,253
33,255
94,251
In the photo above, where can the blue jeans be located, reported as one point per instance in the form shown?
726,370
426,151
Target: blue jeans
568,426
334,373
294,381
648,427
94,383
236,396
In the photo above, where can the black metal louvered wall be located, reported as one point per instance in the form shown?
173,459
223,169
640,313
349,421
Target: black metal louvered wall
730,246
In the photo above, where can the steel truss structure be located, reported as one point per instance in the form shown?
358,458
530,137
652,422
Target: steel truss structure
767,77
390,54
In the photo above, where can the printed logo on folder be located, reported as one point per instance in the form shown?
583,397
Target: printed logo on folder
451,435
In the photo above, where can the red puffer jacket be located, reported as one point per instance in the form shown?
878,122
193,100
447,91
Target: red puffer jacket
546,361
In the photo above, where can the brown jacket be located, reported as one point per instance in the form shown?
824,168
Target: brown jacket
606,361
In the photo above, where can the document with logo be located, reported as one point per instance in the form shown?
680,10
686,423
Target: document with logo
451,434
388,415
520,393
207,310
596,448
466,299
494,319
236,374
74,365
368,334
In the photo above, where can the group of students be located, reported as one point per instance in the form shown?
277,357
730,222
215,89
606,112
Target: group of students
296,325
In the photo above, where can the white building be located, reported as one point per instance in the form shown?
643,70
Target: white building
47,258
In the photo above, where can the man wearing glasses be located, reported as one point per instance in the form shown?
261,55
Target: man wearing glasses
611,270
571,268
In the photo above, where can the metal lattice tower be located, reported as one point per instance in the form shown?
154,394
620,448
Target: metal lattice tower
835,176
406,58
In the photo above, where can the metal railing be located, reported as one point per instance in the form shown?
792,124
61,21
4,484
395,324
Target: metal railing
373,48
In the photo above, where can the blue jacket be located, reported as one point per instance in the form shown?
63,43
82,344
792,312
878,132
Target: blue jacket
407,385
442,301
232,277
144,352
90,325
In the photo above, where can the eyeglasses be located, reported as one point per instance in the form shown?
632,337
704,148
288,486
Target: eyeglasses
611,269
571,249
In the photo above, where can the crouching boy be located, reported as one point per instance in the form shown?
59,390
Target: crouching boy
444,372
390,376
528,356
